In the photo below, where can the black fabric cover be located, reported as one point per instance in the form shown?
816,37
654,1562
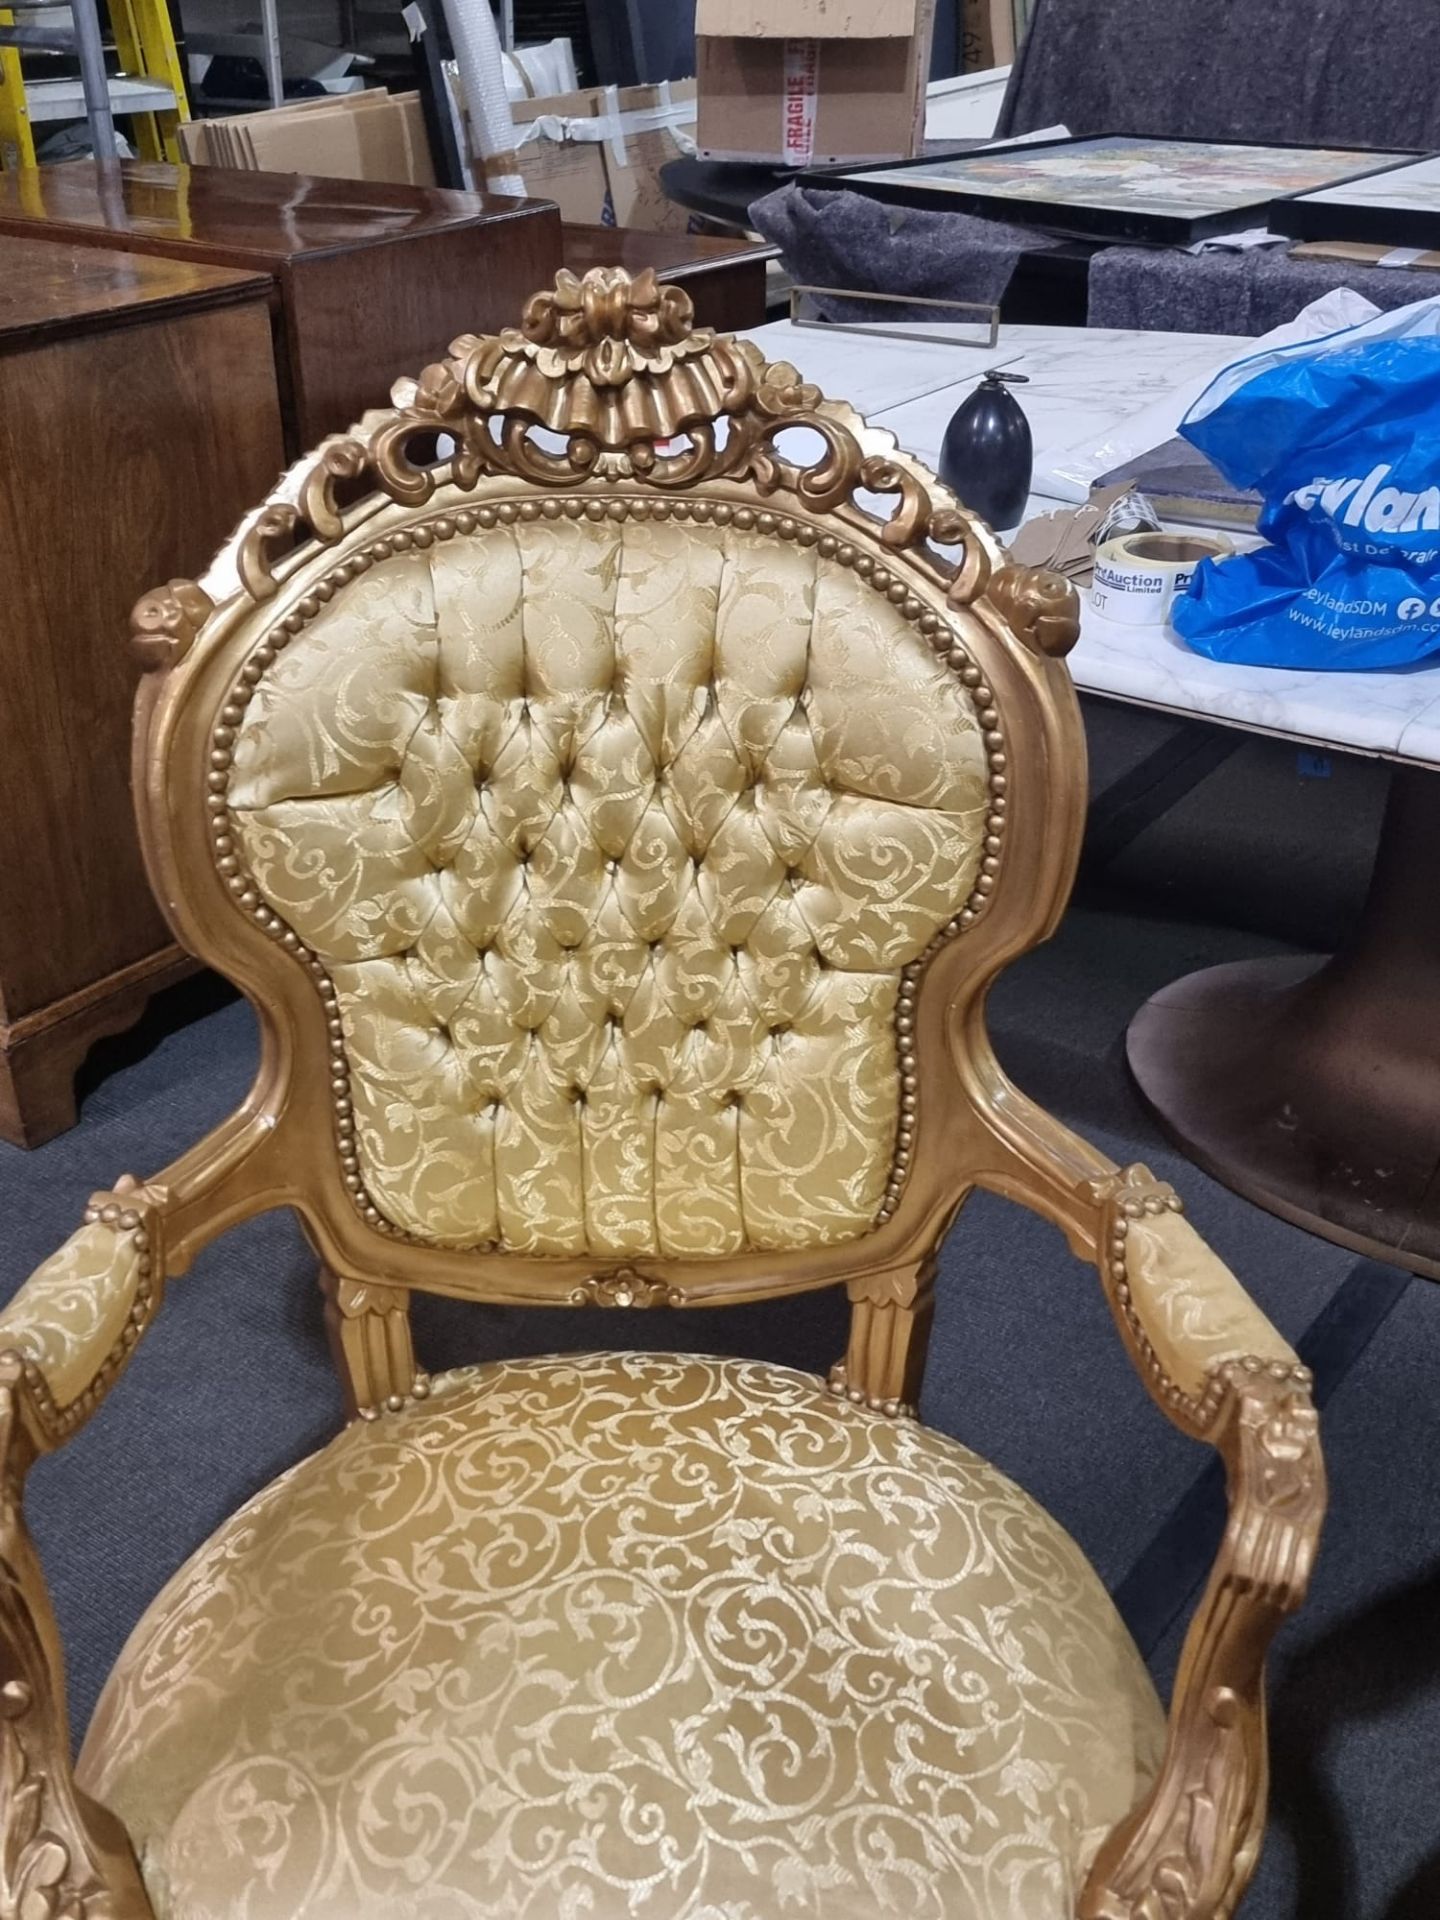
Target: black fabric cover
1231,293
1319,72
1316,72
838,239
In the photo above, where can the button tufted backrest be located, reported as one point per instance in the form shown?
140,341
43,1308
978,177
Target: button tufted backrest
614,773
615,838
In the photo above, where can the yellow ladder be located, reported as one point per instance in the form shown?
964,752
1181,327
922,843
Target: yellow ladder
149,91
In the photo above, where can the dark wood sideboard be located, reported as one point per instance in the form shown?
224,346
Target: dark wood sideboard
139,419
168,337
373,280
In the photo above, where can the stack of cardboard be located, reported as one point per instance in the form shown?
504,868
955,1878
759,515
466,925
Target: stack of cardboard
360,136
598,153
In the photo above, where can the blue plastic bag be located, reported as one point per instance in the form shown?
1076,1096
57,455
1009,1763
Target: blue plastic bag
1342,439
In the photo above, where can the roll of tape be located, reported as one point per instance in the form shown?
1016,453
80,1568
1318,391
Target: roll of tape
1138,575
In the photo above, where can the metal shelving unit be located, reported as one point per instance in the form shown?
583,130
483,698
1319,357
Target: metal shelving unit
265,44
150,87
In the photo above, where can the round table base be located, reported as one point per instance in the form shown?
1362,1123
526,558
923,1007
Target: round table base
1312,1087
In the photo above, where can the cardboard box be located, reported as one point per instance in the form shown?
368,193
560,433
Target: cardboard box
1365,253
988,34
657,124
362,136
796,83
598,153
556,162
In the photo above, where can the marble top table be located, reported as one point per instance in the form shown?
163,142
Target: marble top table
1091,379
1310,1085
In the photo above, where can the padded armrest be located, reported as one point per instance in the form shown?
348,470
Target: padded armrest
1194,1312
63,1339
1185,1318
1180,1306
75,1320
75,1310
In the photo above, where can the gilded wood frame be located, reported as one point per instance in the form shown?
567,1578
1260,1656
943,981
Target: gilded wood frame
614,367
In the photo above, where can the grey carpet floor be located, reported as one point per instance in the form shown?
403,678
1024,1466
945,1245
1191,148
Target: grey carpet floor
234,1381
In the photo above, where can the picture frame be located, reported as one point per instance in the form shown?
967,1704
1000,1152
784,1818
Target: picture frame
807,309
1086,185
1392,206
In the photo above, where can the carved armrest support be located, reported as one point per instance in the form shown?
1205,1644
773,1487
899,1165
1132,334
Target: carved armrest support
1218,1368
64,1339
61,1855
891,1309
1187,1851
369,1326
1222,1373
76,1320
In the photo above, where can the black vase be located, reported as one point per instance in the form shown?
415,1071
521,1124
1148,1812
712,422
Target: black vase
987,454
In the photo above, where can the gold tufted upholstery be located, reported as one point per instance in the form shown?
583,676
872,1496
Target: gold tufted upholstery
628,1638
614,839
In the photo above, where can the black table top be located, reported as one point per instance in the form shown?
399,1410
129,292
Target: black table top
725,190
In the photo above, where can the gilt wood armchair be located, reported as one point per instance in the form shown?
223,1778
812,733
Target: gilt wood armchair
615,775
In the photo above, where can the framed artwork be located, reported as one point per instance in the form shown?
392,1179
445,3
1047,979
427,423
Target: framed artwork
1395,206
1112,186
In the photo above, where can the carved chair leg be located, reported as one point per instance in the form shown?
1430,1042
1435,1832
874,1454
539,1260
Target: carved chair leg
890,1322
369,1329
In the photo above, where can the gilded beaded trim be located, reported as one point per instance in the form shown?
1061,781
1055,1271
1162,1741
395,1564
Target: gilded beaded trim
936,631
837,1384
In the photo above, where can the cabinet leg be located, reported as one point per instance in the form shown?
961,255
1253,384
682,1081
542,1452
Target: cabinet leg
41,1053
37,1090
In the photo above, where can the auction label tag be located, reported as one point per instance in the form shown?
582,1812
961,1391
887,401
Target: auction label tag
1139,576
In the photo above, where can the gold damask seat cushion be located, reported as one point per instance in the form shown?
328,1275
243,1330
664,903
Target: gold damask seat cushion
628,1637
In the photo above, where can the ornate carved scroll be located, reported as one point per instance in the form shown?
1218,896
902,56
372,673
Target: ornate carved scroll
166,621
614,368
264,540
1041,608
626,1287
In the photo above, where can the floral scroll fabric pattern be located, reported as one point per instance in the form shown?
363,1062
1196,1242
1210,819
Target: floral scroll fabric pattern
1194,1312
614,838
628,1638
73,1309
